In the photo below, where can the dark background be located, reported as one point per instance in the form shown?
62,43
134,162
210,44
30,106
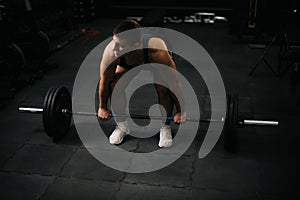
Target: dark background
45,46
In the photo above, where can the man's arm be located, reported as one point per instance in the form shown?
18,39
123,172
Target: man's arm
107,71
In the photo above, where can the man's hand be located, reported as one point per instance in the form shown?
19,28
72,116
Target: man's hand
103,113
179,117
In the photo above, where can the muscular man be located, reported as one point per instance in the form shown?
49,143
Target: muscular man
143,49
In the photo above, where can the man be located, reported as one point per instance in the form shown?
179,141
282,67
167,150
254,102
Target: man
139,50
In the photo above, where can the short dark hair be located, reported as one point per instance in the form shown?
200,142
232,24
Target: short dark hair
126,25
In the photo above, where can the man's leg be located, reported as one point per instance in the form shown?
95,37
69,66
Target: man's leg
165,99
119,107
119,102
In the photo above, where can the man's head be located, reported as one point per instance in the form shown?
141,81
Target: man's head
124,38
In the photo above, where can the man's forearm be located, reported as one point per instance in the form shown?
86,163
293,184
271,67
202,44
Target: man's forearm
176,102
103,96
179,99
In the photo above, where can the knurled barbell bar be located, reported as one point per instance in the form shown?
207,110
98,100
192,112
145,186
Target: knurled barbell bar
57,114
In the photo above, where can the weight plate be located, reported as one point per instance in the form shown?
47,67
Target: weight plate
60,122
44,44
46,111
235,123
231,124
226,126
19,56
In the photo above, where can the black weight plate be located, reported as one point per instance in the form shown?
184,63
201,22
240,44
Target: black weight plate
18,55
235,123
46,111
231,124
12,61
226,126
43,45
60,123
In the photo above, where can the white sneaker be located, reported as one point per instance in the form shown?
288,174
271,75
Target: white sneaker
165,135
119,133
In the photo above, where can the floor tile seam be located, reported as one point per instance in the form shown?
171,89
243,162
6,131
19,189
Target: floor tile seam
156,185
11,156
67,161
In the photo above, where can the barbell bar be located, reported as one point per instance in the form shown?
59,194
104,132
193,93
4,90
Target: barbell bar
242,122
35,110
57,113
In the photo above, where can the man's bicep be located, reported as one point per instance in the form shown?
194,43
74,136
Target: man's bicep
105,64
108,66
108,59
108,74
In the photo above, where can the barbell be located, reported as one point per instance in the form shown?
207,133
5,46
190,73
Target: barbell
57,114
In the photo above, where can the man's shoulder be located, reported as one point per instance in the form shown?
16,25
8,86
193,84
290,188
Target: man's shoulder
109,46
155,40
108,55
157,43
108,50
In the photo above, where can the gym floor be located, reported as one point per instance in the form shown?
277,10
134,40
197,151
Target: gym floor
266,165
